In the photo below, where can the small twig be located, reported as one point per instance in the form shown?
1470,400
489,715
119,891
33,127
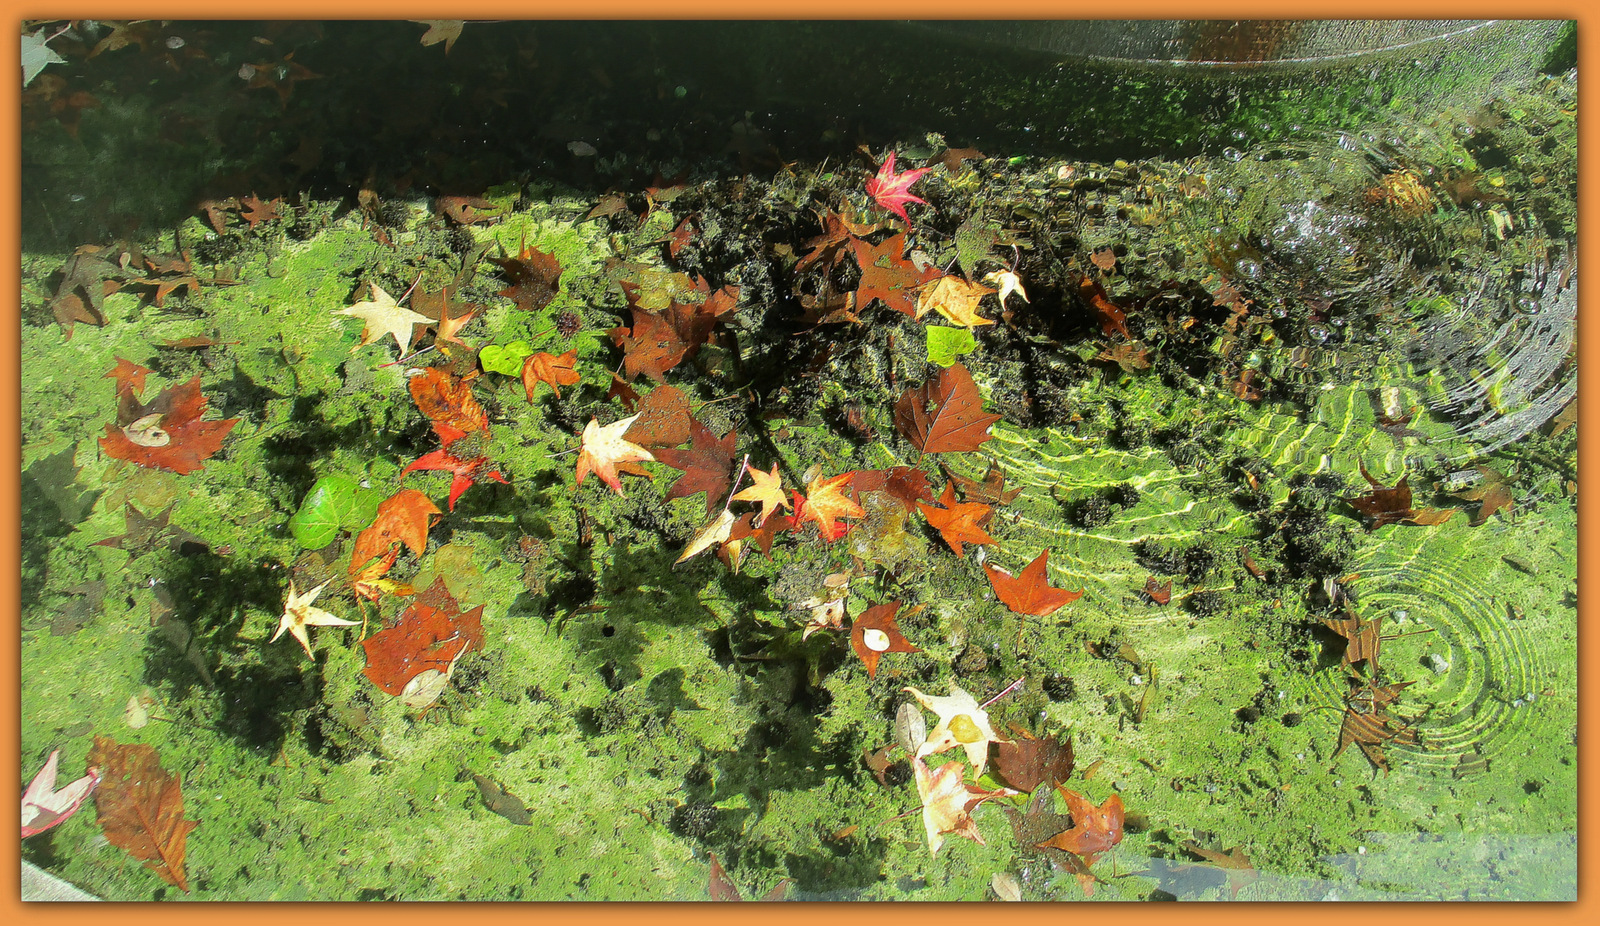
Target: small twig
1005,691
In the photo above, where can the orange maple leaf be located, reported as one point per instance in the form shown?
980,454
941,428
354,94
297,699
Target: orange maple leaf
167,433
404,517
548,368
1030,592
823,502
1094,829
447,401
958,522
957,421
876,632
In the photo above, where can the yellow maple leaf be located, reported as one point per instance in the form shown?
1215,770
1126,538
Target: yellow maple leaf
955,299
767,489
604,449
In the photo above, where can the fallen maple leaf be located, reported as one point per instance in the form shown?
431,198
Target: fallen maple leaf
140,807
167,433
404,517
1492,494
605,448
382,316
892,191
298,614
991,491
652,346
1233,863
947,803
957,421
888,276
463,472
955,299
767,489
874,633
430,635
1094,829
441,30
44,805
837,232
824,502
1028,761
535,278
548,368
1030,592
958,522
713,534
1392,505
447,401
1113,320
1008,282
661,419
962,722
707,466
129,377
721,887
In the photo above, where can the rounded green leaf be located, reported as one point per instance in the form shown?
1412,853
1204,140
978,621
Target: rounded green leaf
945,344
505,358
334,503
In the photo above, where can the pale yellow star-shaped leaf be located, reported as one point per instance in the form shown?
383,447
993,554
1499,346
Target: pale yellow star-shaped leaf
1008,282
298,614
385,316
961,723
441,30
604,449
946,803
955,299
712,534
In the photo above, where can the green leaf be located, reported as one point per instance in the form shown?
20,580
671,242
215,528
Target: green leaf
507,359
334,503
946,344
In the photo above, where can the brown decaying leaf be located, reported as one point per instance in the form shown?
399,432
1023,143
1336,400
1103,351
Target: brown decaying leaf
1362,637
722,888
167,433
707,465
1233,862
1368,725
404,517
661,420
1384,506
1030,592
501,801
140,807
1113,320
1492,494
534,276
991,491
1158,593
468,210
1567,418
886,275
430,634
905,484
956,421
879,621
1028,761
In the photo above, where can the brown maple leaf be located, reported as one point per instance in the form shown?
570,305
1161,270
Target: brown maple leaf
956,421
1233,862
254,211
661,420
1393,505
886,275
470,210
721,887
1158,593
86,279
430,634
1492,494
877,632
652,346
167,433
958,522
403,517
1030,592
1094,829
447,400
905,484
707,465
548,368
1368,725
1362,637
1040,822
991,491
1027,761
534,276
139,805
951,158
828,247
439,305
129,378
1113,319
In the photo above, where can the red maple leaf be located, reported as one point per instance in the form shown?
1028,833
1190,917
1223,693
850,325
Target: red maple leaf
1029,592
886,275
707,466
167,433
957,421
892,191
430,634
464,472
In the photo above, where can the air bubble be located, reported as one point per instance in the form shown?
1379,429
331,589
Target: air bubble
1231,153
